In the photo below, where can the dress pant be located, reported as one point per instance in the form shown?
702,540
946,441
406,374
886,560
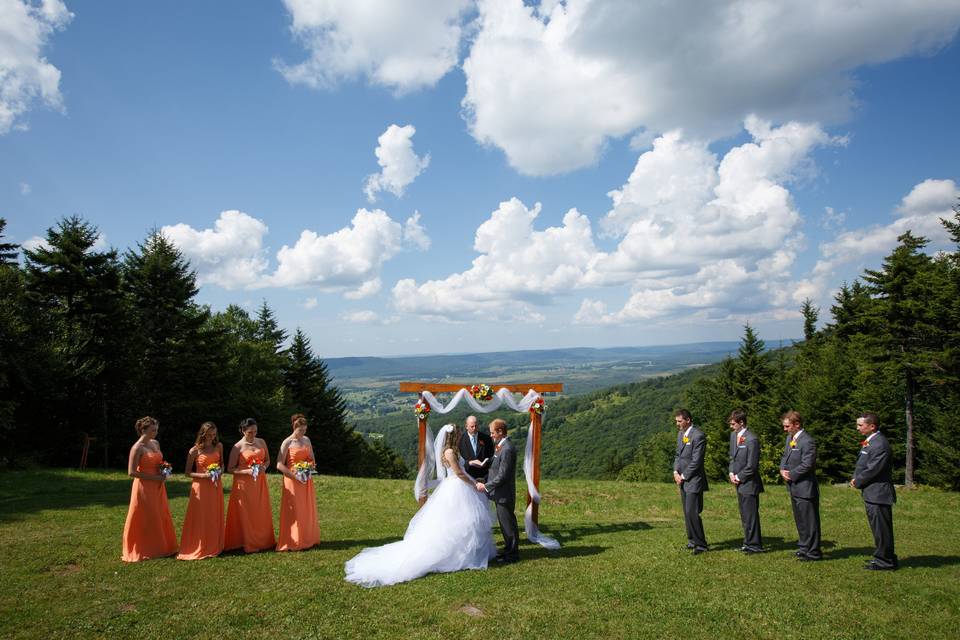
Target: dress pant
806,513
508,527
692,507
880,517
750,519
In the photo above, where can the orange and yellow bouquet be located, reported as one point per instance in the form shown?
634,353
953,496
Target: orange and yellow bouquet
303,470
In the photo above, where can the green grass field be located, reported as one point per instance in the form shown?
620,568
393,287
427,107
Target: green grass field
621,573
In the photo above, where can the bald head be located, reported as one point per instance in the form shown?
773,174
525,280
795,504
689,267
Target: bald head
471,424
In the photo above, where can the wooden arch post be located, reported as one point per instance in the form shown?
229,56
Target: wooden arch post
535,418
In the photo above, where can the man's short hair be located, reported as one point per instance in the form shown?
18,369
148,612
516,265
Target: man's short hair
739,416
870,418
682,413
793,417
498,425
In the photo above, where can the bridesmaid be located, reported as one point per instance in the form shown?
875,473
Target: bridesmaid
148,532
249,514
202,535
298,506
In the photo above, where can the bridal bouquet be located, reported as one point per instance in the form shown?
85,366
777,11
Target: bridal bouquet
538,405
166,469
214,471
303,470
256,467
421,410
481,392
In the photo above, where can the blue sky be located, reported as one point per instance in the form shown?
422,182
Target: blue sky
757,155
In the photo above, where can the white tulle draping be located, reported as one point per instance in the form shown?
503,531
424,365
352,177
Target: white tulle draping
502,397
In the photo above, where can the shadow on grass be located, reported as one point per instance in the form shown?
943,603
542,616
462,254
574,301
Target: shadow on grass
26,492
340,545
770,544
916,562
530,551
565,533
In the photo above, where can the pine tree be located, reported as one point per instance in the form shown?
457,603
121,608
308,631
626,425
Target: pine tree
904,322
311,393
268,330
8,251
76,291
810,315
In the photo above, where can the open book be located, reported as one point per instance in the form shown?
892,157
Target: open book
479,463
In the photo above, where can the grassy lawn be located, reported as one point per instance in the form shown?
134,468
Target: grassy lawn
621,573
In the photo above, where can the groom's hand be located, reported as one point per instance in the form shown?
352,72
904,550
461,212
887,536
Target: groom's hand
481,487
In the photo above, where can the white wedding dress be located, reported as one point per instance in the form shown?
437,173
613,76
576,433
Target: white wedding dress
452,531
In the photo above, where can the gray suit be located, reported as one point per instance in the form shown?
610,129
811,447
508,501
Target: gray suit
689,463
745,465
801,461
873,478
502,489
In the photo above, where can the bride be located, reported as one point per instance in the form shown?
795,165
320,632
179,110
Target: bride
449,533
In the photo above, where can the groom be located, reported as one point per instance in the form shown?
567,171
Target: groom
502,489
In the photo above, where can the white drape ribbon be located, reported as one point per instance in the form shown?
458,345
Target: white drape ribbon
503,396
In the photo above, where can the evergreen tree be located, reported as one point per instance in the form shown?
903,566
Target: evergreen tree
904,324
75,291
8,251
311,393
268,330
179,372
810,315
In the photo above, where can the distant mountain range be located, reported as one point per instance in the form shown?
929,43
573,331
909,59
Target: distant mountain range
465,365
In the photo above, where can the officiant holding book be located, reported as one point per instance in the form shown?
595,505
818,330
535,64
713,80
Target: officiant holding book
476,449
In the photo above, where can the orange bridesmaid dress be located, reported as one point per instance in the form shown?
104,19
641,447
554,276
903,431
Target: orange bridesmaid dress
148,532
298,508
202,535
249,514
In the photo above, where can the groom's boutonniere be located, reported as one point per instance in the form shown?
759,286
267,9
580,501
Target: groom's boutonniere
741,440
793,444
864,443
686,440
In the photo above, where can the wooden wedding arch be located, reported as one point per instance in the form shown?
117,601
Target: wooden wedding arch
536,420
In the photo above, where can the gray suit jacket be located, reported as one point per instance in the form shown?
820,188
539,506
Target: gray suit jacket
502,480
689,461
873,473
745,463
801,462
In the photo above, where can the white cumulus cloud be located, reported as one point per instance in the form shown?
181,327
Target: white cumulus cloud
230,255
404,46
550,85
399,165
26,76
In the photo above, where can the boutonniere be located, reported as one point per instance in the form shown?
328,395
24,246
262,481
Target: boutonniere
686,440
499,446
864,443
741,440
793,444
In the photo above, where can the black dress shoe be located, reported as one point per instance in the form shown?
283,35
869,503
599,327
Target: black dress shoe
749,550
808,558
873,566
690,545
799,553
698,550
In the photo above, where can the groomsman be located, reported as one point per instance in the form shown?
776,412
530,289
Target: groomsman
798,467
744,475
476,448
689,475
873,478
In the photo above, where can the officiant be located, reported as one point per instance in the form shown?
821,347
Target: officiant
476,449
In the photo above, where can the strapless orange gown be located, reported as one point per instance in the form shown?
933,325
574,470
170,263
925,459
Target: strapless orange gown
298,508
202,535
148,532
249,514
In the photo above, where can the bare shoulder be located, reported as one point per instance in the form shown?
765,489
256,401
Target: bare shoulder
261,442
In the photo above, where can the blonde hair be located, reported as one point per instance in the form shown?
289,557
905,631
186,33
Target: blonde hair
143,423
499,425
206,428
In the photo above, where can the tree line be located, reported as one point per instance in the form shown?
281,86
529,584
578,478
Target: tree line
92,339
892,346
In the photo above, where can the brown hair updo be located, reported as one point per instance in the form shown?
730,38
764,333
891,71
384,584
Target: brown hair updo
143,423
296,419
